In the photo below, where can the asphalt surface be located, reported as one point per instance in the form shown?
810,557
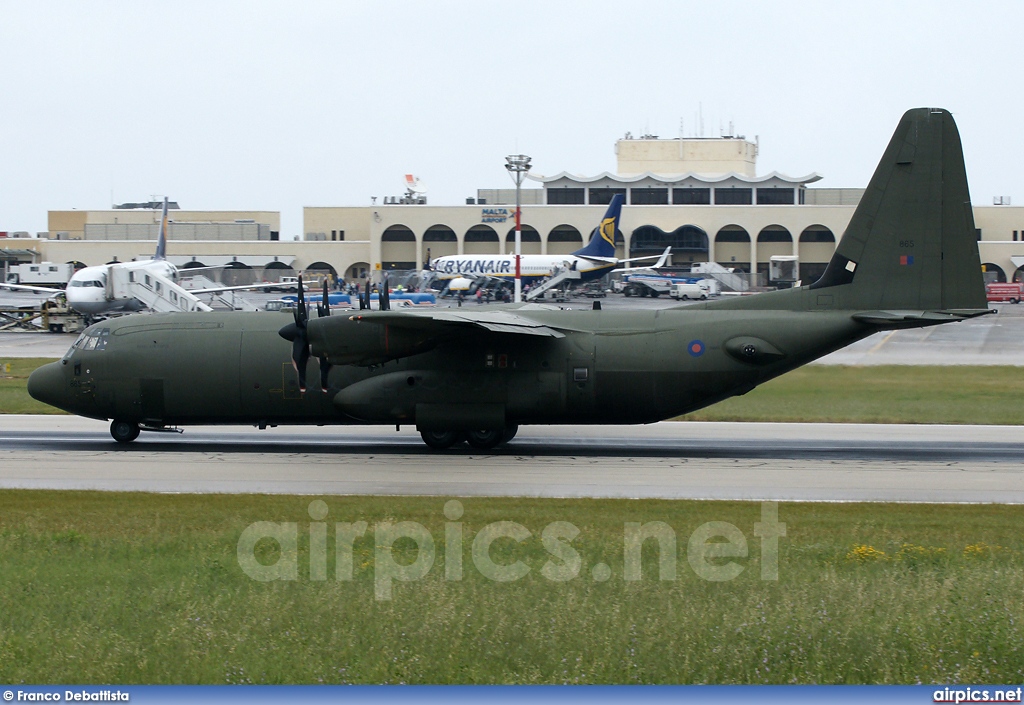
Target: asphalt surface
814,462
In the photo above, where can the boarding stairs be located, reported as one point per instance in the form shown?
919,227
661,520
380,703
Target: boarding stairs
230,299
563,276
729,281
157,293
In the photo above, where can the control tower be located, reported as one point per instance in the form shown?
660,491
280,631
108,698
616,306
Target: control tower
697,155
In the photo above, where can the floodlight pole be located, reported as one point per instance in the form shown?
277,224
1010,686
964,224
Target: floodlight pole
518,165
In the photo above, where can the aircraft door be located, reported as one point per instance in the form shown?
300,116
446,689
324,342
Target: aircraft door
580,372
151,400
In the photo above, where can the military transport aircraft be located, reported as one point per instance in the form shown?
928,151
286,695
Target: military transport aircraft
909,258
91,290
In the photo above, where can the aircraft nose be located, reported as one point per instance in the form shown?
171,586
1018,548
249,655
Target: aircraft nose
47,384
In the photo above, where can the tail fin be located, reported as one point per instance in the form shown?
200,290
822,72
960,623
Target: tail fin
602,241
663,259
161,240
911,244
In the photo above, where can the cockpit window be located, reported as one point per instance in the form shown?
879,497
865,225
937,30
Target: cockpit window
74,346
92,339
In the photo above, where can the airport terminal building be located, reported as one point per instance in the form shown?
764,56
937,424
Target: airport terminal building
702,196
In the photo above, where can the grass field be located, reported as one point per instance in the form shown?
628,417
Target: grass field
883,394
14,398
135,588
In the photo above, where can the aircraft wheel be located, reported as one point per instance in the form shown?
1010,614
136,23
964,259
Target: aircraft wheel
510,433
124,431
486,439
440,440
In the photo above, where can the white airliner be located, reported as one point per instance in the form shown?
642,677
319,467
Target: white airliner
592,262
89,289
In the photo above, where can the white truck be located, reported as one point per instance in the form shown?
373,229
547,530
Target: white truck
681,290
52,274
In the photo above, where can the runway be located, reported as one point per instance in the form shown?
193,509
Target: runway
811,462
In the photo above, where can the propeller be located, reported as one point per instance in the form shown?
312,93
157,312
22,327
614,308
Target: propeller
296,333
364,298
323,310
323,307
384,300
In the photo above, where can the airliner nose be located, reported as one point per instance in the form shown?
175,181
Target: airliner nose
48,385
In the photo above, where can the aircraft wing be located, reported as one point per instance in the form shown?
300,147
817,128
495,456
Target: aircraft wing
442,319
662,259
615,260
374,337
218,289
34,289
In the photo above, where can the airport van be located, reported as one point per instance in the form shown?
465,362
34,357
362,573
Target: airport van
684,291
1000,292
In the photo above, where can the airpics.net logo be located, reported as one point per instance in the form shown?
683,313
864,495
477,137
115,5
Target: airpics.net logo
713,551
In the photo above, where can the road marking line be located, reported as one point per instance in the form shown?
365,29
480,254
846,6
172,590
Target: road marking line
881,342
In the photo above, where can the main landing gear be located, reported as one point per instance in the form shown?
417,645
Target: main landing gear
484,439
124,431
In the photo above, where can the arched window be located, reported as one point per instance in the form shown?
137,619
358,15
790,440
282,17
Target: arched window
732,233
993,273
774,233
565,233
439,233
398,233
650,239
817,233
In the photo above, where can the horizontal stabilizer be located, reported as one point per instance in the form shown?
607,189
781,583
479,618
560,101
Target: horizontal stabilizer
916,319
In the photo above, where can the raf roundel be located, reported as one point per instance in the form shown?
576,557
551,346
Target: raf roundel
696,348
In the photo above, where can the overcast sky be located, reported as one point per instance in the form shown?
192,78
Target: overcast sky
276,106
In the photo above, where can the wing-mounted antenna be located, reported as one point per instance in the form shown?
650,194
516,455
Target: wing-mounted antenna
161,240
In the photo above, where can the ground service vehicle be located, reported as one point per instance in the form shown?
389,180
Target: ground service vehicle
1012,293
684,291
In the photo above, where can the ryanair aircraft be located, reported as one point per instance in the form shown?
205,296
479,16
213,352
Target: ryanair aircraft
593,261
